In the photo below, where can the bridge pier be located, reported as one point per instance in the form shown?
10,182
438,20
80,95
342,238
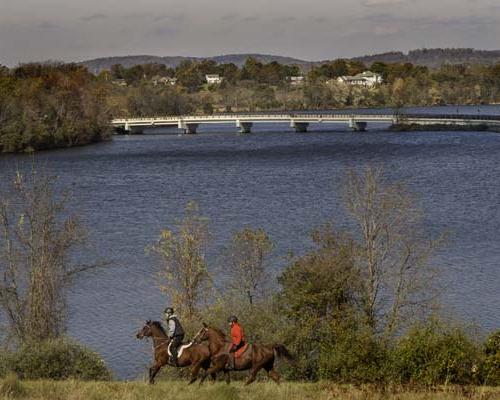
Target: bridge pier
357,126
245,127
300,127
189,127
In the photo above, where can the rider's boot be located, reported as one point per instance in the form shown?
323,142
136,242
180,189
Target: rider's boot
173,360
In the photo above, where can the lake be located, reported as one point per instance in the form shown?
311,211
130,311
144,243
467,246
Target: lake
129,189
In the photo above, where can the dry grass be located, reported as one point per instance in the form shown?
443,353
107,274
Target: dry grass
176,390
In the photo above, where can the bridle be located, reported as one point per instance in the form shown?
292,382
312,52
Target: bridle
149,333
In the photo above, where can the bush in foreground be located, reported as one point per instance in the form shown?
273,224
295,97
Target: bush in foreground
433,355
56,359
490,367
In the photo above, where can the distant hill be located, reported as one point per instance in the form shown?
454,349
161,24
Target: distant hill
98,64
434,58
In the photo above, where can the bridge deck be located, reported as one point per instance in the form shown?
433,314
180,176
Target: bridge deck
305,118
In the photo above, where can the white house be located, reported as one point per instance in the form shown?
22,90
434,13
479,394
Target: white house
165,80
366,78
296,80
213,79
119,82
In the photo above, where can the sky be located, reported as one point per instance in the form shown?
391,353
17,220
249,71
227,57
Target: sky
68,30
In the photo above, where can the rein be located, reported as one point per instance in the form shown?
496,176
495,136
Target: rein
161,344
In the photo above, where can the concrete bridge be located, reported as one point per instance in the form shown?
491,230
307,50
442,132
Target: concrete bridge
300,121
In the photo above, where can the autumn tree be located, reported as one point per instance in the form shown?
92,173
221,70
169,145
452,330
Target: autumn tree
393,250
247,263
38,240
184,274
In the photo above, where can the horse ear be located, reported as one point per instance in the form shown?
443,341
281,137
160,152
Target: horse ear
205,325
148,322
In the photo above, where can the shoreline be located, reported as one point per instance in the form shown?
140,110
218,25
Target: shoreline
402,127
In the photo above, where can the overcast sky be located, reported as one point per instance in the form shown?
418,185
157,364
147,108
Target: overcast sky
68,30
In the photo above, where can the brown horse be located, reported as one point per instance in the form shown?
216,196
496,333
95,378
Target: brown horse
191,354
254,357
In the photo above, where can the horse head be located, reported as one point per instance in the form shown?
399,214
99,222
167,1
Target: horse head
145,331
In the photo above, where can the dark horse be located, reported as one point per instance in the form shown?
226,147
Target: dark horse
254,357
192,354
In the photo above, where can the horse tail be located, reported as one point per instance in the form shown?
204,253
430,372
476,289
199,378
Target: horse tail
281,351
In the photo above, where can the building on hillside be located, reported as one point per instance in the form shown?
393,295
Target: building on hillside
366,78
163,80
296,80
213,79
119,82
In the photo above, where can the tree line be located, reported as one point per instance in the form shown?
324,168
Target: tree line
53,105
258,86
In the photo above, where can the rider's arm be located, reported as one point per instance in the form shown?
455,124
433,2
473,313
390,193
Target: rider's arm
171,328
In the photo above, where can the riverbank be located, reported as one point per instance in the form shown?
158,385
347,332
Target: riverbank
176,390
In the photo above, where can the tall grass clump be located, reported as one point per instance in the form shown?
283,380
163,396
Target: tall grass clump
11,387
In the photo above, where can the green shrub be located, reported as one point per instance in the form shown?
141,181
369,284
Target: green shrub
489,370
432,355
353,356
58,359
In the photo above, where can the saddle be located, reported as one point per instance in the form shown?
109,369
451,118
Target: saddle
238,353
180,350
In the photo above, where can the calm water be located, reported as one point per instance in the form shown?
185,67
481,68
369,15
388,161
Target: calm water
127,190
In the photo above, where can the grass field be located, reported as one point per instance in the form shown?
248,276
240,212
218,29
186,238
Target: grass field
12,388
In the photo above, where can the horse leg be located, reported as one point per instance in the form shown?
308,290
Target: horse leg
153,371
227,376
269,367
253,374
273,374
203,376
194,373
218,364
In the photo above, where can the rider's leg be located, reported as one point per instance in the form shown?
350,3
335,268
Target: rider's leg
176,342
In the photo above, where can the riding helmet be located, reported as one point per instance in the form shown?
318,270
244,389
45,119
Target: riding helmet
169,310
232,318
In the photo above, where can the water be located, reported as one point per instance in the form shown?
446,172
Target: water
287,183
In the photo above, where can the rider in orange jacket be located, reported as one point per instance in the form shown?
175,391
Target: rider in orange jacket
238,338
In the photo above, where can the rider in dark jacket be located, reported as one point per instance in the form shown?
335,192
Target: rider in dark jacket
175,332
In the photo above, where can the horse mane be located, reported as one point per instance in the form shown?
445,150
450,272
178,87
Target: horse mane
159,326
218,331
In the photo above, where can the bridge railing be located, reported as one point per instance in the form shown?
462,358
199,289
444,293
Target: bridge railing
234,117
305,117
